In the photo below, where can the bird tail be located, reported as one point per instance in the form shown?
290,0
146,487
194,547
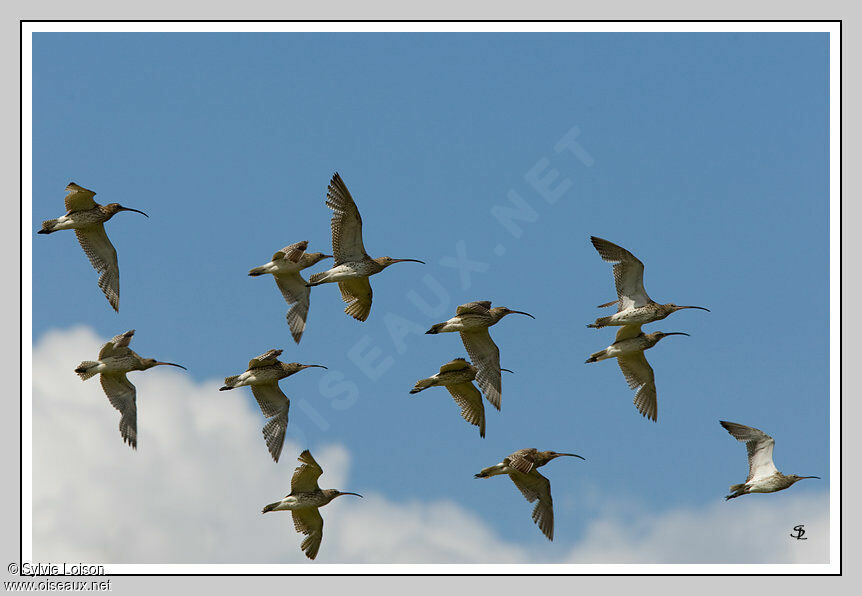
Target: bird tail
435,329
600,322
271,507
738,490
317,278
597,356
422,384
229,383
606,304
257,271
48,226
84,371
489,471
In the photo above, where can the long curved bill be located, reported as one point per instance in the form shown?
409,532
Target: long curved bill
357,494
135,210
802,477
508,371
172,364
677,333
313,366
697,307
328,256
520,312
572,455
410,260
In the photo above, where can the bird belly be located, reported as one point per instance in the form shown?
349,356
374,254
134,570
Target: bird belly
69,222
634,316
282,266
338,273
288,504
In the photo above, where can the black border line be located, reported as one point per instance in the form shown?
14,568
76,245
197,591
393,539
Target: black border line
840,283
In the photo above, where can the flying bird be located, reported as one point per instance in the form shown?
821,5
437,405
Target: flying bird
521,468
115,360
285,267
263,375
304,501
472,320
87,218
353,266
457,376
628,349
763,476
634,306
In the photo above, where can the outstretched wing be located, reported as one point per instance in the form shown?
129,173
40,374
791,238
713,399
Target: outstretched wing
305,477
759,446
454,365
122,395
275,406
522,460
470,400
536,487
291,253
103,257
639,375
628,274
293,289
486,358
479,307
346,223
79,198
116,345
268,358
627,332
309,522
357,293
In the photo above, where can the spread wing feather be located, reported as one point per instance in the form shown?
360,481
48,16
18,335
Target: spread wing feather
103,257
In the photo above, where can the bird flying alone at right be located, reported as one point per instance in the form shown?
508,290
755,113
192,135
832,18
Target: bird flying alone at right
634,306
472,320
285,267
521,468
263,374
352,265
628,349
304,502
763,476
116,359
87,218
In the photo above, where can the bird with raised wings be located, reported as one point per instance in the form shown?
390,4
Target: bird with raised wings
457,377
472,320
304,501
285,267
263,375
763,476
115,360
87,218
352,265
634,306
628,349
521,468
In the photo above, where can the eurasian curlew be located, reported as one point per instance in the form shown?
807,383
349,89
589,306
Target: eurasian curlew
634,306
285,267
304,501
457,376
763,476
115,360
353,266
472,320
628,349
263,375
87,218
521,468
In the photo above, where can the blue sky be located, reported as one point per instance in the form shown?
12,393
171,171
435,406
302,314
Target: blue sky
703,154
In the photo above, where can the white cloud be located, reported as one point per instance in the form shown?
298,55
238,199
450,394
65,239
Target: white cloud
193,491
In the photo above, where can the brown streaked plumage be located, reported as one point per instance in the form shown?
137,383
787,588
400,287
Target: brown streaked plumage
457,376
87,218
472,320
285,267
263,374
115,360
763,476
352,265
521,467
628,349
304,501
635,307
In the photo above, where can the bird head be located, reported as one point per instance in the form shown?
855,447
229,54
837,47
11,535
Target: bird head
332,493
796,478
498,312
295,367
310,258
554,455
151,362
661,335
675,308
386,261
113,208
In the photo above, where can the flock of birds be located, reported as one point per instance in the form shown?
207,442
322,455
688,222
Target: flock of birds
351,269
